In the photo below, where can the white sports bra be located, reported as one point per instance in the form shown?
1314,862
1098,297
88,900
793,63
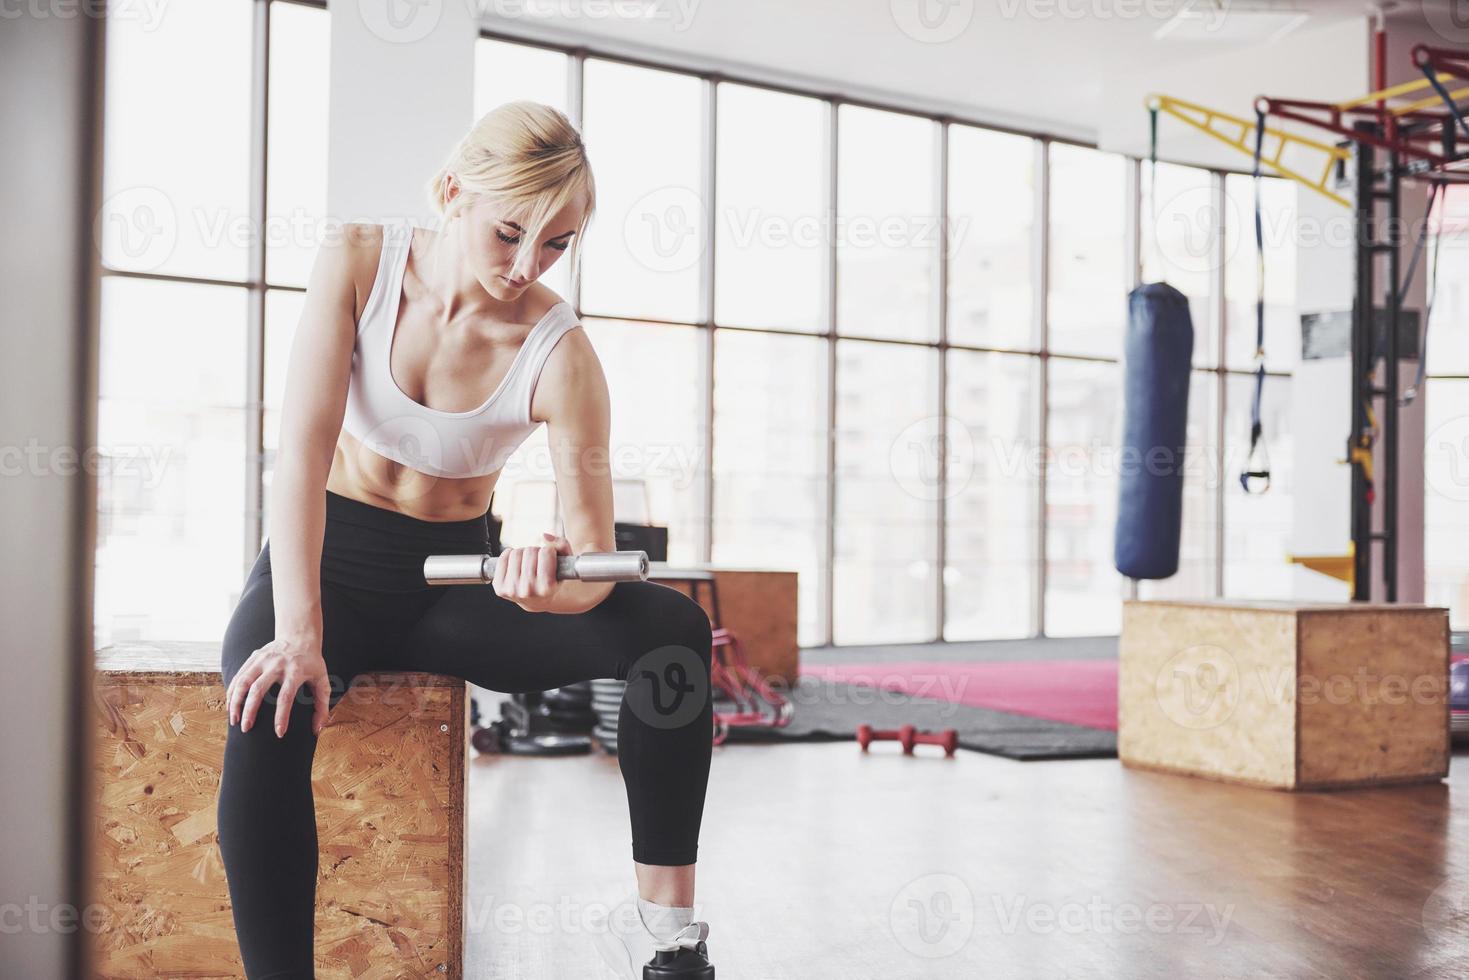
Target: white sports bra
449,444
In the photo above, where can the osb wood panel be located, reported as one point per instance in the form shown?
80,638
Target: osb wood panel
1374,697
1208,691
760,608
1285,605
182,657
388,781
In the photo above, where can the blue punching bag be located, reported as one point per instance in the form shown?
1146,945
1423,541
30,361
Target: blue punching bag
1157,353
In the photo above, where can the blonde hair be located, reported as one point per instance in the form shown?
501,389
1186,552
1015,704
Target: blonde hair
527,155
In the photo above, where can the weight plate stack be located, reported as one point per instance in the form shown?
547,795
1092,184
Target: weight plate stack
565,710
606,703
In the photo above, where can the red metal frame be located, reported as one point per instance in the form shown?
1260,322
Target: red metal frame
1337,119
1392,141
1447,60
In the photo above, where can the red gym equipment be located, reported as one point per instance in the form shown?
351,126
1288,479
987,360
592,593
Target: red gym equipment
742,696
909,737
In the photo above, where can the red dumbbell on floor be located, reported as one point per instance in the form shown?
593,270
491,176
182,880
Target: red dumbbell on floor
908,736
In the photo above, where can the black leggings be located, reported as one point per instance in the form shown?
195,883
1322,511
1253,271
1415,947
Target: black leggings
377,614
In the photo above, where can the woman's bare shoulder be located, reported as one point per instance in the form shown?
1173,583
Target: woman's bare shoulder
571,378
360,246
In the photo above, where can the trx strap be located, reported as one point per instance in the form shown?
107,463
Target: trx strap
1432,294
1433,198
1448,99
1256,475
1153,184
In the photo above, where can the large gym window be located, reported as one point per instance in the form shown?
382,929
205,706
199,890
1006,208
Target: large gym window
917,415
173,399
887,228
991,233
770,249
644,247
1446,407
1089,258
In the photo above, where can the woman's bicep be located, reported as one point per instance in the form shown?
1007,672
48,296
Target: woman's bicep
578,426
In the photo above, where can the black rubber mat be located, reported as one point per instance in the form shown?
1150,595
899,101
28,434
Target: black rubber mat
833,713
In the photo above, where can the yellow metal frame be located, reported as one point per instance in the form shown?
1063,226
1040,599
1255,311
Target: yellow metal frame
1403,89
1180,109
1342,567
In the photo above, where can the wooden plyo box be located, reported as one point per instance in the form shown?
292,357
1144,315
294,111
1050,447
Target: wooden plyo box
1285,695
758,606
388,779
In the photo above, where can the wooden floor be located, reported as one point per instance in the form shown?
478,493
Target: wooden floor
818,862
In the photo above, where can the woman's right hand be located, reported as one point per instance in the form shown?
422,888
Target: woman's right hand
293,661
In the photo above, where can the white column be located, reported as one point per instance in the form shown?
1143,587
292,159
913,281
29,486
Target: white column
402,94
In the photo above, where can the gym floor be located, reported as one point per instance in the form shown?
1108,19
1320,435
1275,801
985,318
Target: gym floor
811,852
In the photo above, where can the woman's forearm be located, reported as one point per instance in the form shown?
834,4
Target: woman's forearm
297,524
578,597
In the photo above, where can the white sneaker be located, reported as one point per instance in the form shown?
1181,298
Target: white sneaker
627,944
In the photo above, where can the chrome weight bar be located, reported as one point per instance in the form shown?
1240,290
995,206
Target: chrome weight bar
590,566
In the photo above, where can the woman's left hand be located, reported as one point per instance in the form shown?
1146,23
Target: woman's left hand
527,576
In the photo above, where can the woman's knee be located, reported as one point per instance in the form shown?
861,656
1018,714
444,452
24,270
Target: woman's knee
251,626
677,618
670,626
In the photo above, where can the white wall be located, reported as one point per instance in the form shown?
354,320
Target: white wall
1321,62
47,320
402,94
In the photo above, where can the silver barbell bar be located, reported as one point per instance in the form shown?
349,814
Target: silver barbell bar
590,566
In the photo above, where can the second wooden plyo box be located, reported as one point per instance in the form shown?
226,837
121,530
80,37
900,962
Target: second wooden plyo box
1288,695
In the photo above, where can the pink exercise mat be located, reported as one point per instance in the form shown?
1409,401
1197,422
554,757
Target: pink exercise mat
1079,692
